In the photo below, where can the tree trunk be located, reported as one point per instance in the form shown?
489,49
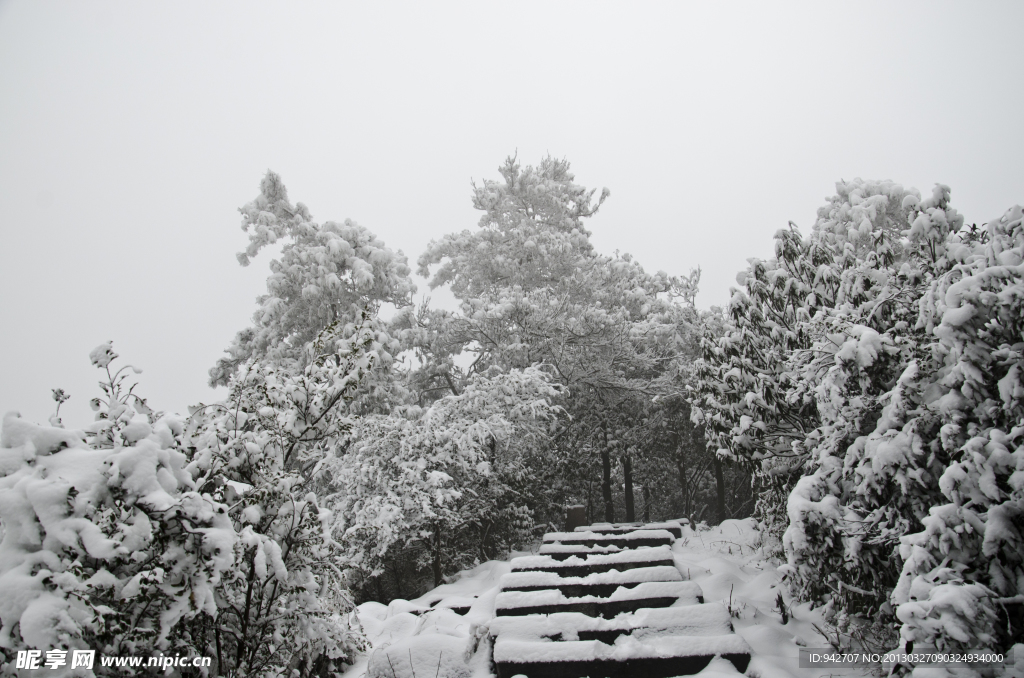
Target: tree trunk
683,486
647,503
720,480
606,485
627,472
438,580
590,500
396,570
485,532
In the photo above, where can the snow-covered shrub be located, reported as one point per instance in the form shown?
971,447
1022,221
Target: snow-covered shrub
963,575
454,479
147,533
108,541
884,372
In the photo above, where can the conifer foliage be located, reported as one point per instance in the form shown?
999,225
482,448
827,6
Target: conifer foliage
327,273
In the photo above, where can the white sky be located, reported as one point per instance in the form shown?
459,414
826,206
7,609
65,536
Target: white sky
130,133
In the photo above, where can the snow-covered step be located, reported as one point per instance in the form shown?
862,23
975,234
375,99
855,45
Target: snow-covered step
653,643
607,601
601,584
560,551
644,595
673,526
631,539
656,657
587,563
525,581
689,620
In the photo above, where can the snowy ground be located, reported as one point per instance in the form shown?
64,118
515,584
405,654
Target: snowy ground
725,560
731,568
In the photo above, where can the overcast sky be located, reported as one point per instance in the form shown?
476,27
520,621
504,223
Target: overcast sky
130,133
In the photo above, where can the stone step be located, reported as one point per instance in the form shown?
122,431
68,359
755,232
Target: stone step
689,620
643,595
601,584
606,601
661,657
673,526
663,642
582,564
625,540
560,551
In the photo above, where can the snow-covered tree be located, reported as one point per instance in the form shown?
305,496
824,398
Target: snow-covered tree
264,452
457,480
852,373
327,273
532,289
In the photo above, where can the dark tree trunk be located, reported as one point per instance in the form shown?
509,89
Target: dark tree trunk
720,481
647,503
396,569
627,472
485,534
590,500
606,485
438,580
684,486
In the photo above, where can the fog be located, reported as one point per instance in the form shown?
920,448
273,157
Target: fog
130,134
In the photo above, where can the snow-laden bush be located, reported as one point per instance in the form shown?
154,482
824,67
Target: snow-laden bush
962,583
799,372
150,534
453,480
874,366
108,542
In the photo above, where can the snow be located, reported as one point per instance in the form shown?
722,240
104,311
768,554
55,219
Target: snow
427,655
730,565
577,549
630,527
17,432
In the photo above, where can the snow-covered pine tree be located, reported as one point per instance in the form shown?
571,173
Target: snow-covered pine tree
756,393
533,290
327,273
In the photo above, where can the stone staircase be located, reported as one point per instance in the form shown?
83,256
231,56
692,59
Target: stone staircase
605,601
